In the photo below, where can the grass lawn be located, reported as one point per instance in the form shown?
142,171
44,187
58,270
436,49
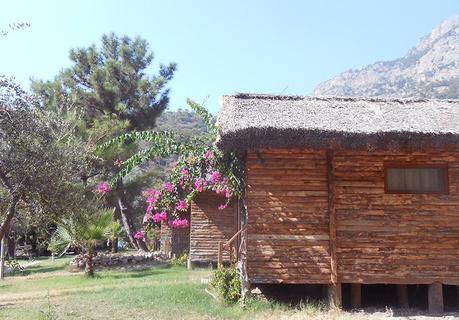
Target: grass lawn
48,290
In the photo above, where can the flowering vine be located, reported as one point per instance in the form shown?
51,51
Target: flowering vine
200,170
200,167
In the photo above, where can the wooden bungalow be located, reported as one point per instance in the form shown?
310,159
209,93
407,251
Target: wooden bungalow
174,241
344,190
209,227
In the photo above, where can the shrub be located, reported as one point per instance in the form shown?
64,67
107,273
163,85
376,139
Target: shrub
180,260
14,266
227,283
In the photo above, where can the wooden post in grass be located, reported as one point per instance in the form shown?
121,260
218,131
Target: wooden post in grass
402,296
356,295
220,254
436,298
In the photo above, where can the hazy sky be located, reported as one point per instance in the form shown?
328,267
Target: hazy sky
223,47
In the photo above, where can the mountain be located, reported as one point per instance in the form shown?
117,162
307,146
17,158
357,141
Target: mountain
429,70
183,121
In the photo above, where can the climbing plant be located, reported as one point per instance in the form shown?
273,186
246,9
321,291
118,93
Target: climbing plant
201,166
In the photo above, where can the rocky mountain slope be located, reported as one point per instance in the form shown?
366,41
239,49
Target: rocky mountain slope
430,69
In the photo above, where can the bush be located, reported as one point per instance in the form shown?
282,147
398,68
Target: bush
14,266
227,283
180,260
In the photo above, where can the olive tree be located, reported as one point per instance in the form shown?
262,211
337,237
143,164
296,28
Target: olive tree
39,156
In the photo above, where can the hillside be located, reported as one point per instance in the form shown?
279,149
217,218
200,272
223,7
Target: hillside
430,69
183,121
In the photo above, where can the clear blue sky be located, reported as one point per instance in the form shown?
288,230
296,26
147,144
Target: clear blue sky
223,47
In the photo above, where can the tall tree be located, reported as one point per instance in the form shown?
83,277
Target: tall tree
110,90
38,157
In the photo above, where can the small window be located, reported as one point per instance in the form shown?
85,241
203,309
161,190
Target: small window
416,178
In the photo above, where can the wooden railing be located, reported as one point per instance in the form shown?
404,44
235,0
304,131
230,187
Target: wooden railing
227,245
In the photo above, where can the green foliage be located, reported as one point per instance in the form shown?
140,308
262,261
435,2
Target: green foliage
204,114
15,266
49,313
108,90
180,260
82,230
114,230
39,157
189,151
227,283
112,79
185,122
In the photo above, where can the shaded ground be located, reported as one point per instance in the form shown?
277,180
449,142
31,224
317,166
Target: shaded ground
49,290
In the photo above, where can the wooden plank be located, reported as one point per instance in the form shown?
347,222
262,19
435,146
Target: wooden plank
313,237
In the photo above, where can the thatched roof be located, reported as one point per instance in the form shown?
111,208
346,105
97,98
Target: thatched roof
254,121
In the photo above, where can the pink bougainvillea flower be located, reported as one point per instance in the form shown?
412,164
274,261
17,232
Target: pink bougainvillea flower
153,196
139,235
150,209
169,187
200,184
118,163
103,188
215,177
227,192
147,217
184,172
208,155
222,206
181,205
179,223
161,216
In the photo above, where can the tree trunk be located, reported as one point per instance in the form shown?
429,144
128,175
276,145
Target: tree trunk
5,226
2,258
12,248
89,266
126,218
11,243
114,245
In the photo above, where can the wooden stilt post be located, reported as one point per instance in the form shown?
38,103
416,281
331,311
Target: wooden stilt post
457,296
402,296
356,295
335,295
334,292
436,298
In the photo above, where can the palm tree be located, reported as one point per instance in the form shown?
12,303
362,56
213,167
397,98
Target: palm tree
113,233
84,232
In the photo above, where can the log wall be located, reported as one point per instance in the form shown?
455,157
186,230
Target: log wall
395,238
209,226
288,236
380,238
175,241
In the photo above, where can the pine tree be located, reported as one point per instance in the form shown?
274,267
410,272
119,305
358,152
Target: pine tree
108,91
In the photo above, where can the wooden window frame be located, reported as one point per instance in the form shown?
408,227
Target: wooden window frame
404,165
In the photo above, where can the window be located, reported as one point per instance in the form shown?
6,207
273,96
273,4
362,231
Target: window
409,178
